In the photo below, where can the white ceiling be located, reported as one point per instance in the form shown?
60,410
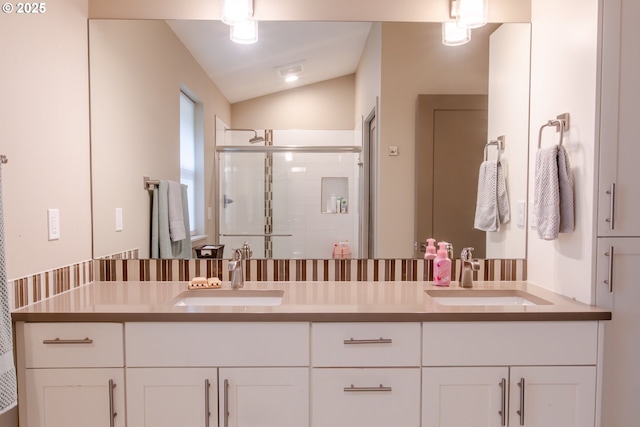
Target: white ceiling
328,49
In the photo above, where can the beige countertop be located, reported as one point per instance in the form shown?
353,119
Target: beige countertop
302,301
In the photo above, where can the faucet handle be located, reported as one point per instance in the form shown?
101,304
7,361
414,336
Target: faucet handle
237,255
467,254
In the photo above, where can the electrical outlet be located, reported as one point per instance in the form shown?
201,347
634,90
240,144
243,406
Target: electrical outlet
53,219
119,225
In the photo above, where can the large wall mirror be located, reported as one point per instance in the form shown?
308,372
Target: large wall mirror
395,100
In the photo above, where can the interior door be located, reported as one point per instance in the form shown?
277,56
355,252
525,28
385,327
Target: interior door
451,134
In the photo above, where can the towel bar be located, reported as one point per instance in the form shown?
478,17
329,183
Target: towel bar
561,123
498,142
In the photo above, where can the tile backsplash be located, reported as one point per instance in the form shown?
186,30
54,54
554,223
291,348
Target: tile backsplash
34,288
301,270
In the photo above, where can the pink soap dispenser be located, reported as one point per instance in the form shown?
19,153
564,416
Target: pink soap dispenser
442,266
430,250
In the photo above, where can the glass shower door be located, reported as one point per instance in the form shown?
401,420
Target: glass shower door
242,201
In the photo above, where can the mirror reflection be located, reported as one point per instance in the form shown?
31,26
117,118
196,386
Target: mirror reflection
141,69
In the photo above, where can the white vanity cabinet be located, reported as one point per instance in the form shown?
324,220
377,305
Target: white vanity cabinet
264,397
509,374
169,397
72,373
365,374
236,374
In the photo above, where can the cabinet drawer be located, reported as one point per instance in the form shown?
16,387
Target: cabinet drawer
365,344
217,344
510,343
79,345
366,397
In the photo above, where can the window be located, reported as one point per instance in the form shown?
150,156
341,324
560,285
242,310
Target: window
188,154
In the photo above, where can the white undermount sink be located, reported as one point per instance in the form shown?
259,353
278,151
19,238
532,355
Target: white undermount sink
485,297
229,297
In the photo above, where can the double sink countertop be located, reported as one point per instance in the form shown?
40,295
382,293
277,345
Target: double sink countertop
307,301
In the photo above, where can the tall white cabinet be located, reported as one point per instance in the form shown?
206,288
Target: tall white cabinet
618,198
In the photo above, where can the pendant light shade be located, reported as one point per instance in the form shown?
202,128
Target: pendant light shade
452,35
471,13
236,11
245,32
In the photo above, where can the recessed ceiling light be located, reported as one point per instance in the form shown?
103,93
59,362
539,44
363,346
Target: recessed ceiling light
291,78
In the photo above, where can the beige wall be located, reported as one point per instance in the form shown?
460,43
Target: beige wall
137,71
325,105
564,79
310,10
414,61
368,76
44,110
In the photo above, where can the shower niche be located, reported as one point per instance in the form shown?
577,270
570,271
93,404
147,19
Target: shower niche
334,195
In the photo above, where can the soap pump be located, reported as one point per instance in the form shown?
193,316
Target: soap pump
430,250
442,266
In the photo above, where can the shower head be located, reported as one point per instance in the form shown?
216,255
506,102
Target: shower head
253,140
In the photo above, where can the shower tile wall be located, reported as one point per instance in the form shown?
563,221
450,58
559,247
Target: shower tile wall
298,206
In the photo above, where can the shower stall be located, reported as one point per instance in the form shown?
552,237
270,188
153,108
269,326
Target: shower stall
294,194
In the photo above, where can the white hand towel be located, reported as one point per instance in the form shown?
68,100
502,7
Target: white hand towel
492,202
176,211
553,193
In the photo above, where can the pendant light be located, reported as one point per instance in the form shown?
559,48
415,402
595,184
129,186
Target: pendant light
236,11
452,35
245,32
471,13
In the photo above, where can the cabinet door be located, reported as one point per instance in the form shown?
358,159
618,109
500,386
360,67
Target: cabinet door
621,294
620,102
366,397
74,397
465,396
264,397
169,397
551,396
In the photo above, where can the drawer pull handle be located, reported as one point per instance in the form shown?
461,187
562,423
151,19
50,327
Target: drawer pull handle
59,341
367,389
112,410
503,402
369,341
521,410
207,411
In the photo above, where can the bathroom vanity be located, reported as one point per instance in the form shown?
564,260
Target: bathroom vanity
326,354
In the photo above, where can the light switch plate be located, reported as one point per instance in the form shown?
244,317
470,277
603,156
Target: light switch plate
53,220
119,225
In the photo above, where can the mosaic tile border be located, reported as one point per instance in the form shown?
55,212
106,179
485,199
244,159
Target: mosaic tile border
27,290
301,270
130,254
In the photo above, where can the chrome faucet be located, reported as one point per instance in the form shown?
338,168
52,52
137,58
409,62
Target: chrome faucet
235,267
468,266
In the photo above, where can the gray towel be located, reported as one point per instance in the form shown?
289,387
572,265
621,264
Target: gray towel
176,219
553,198
8,387
492,202
161,244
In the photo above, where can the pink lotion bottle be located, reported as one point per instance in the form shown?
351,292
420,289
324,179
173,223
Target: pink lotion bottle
442,266
430,250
